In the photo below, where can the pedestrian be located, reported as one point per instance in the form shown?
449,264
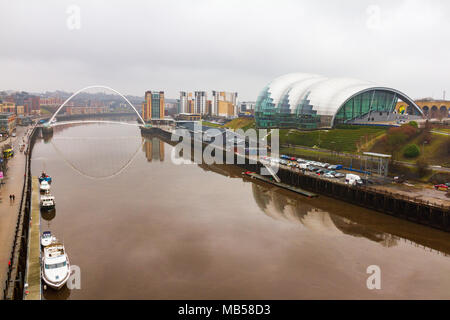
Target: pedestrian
14,197
10,197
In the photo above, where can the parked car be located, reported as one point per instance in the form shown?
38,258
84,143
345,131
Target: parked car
339,175
353,179
332,167
321,171
329,175
441,187
366,181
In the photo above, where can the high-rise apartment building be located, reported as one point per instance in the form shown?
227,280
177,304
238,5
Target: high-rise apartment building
200,102
224,104
247,106
153,106
183,102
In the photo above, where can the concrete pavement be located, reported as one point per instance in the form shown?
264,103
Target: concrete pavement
9,210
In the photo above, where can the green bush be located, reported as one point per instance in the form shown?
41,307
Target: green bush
411,151
414,124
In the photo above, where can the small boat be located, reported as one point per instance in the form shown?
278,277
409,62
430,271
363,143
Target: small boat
45,177
55,267
44,186
47,239
47,202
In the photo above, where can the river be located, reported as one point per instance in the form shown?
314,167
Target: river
141,227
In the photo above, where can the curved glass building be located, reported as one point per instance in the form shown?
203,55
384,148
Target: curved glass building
310,101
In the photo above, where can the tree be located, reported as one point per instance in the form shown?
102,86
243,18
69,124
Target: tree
411,151
422,167
395,141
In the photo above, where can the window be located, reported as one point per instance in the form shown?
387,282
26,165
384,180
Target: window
55,265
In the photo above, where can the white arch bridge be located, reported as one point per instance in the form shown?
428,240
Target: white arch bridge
98,156
158,122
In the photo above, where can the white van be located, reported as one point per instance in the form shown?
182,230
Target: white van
353,179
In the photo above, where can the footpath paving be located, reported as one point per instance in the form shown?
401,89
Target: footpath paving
33,277
8,209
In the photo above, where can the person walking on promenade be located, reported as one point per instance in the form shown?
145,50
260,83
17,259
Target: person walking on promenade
14,197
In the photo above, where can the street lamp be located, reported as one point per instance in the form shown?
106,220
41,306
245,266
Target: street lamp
423,148
333,149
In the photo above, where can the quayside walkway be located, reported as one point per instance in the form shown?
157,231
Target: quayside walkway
33,273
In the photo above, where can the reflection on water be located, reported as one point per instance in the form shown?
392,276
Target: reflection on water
153,148
282,206
158,230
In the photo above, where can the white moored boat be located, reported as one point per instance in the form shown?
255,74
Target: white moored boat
44,186
47,239
55,266
47,202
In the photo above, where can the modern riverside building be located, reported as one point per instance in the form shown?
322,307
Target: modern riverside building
247,106
224,104
7,122
153,106
183,102
30,103
310,101
200,102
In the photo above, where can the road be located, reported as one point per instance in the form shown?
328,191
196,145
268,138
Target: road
441,133
9,210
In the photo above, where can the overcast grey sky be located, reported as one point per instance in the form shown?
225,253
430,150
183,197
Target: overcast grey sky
229,45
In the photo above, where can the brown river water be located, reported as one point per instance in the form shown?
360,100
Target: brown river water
141,227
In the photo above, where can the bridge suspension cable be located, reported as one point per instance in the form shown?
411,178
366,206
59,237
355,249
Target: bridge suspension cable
96,158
